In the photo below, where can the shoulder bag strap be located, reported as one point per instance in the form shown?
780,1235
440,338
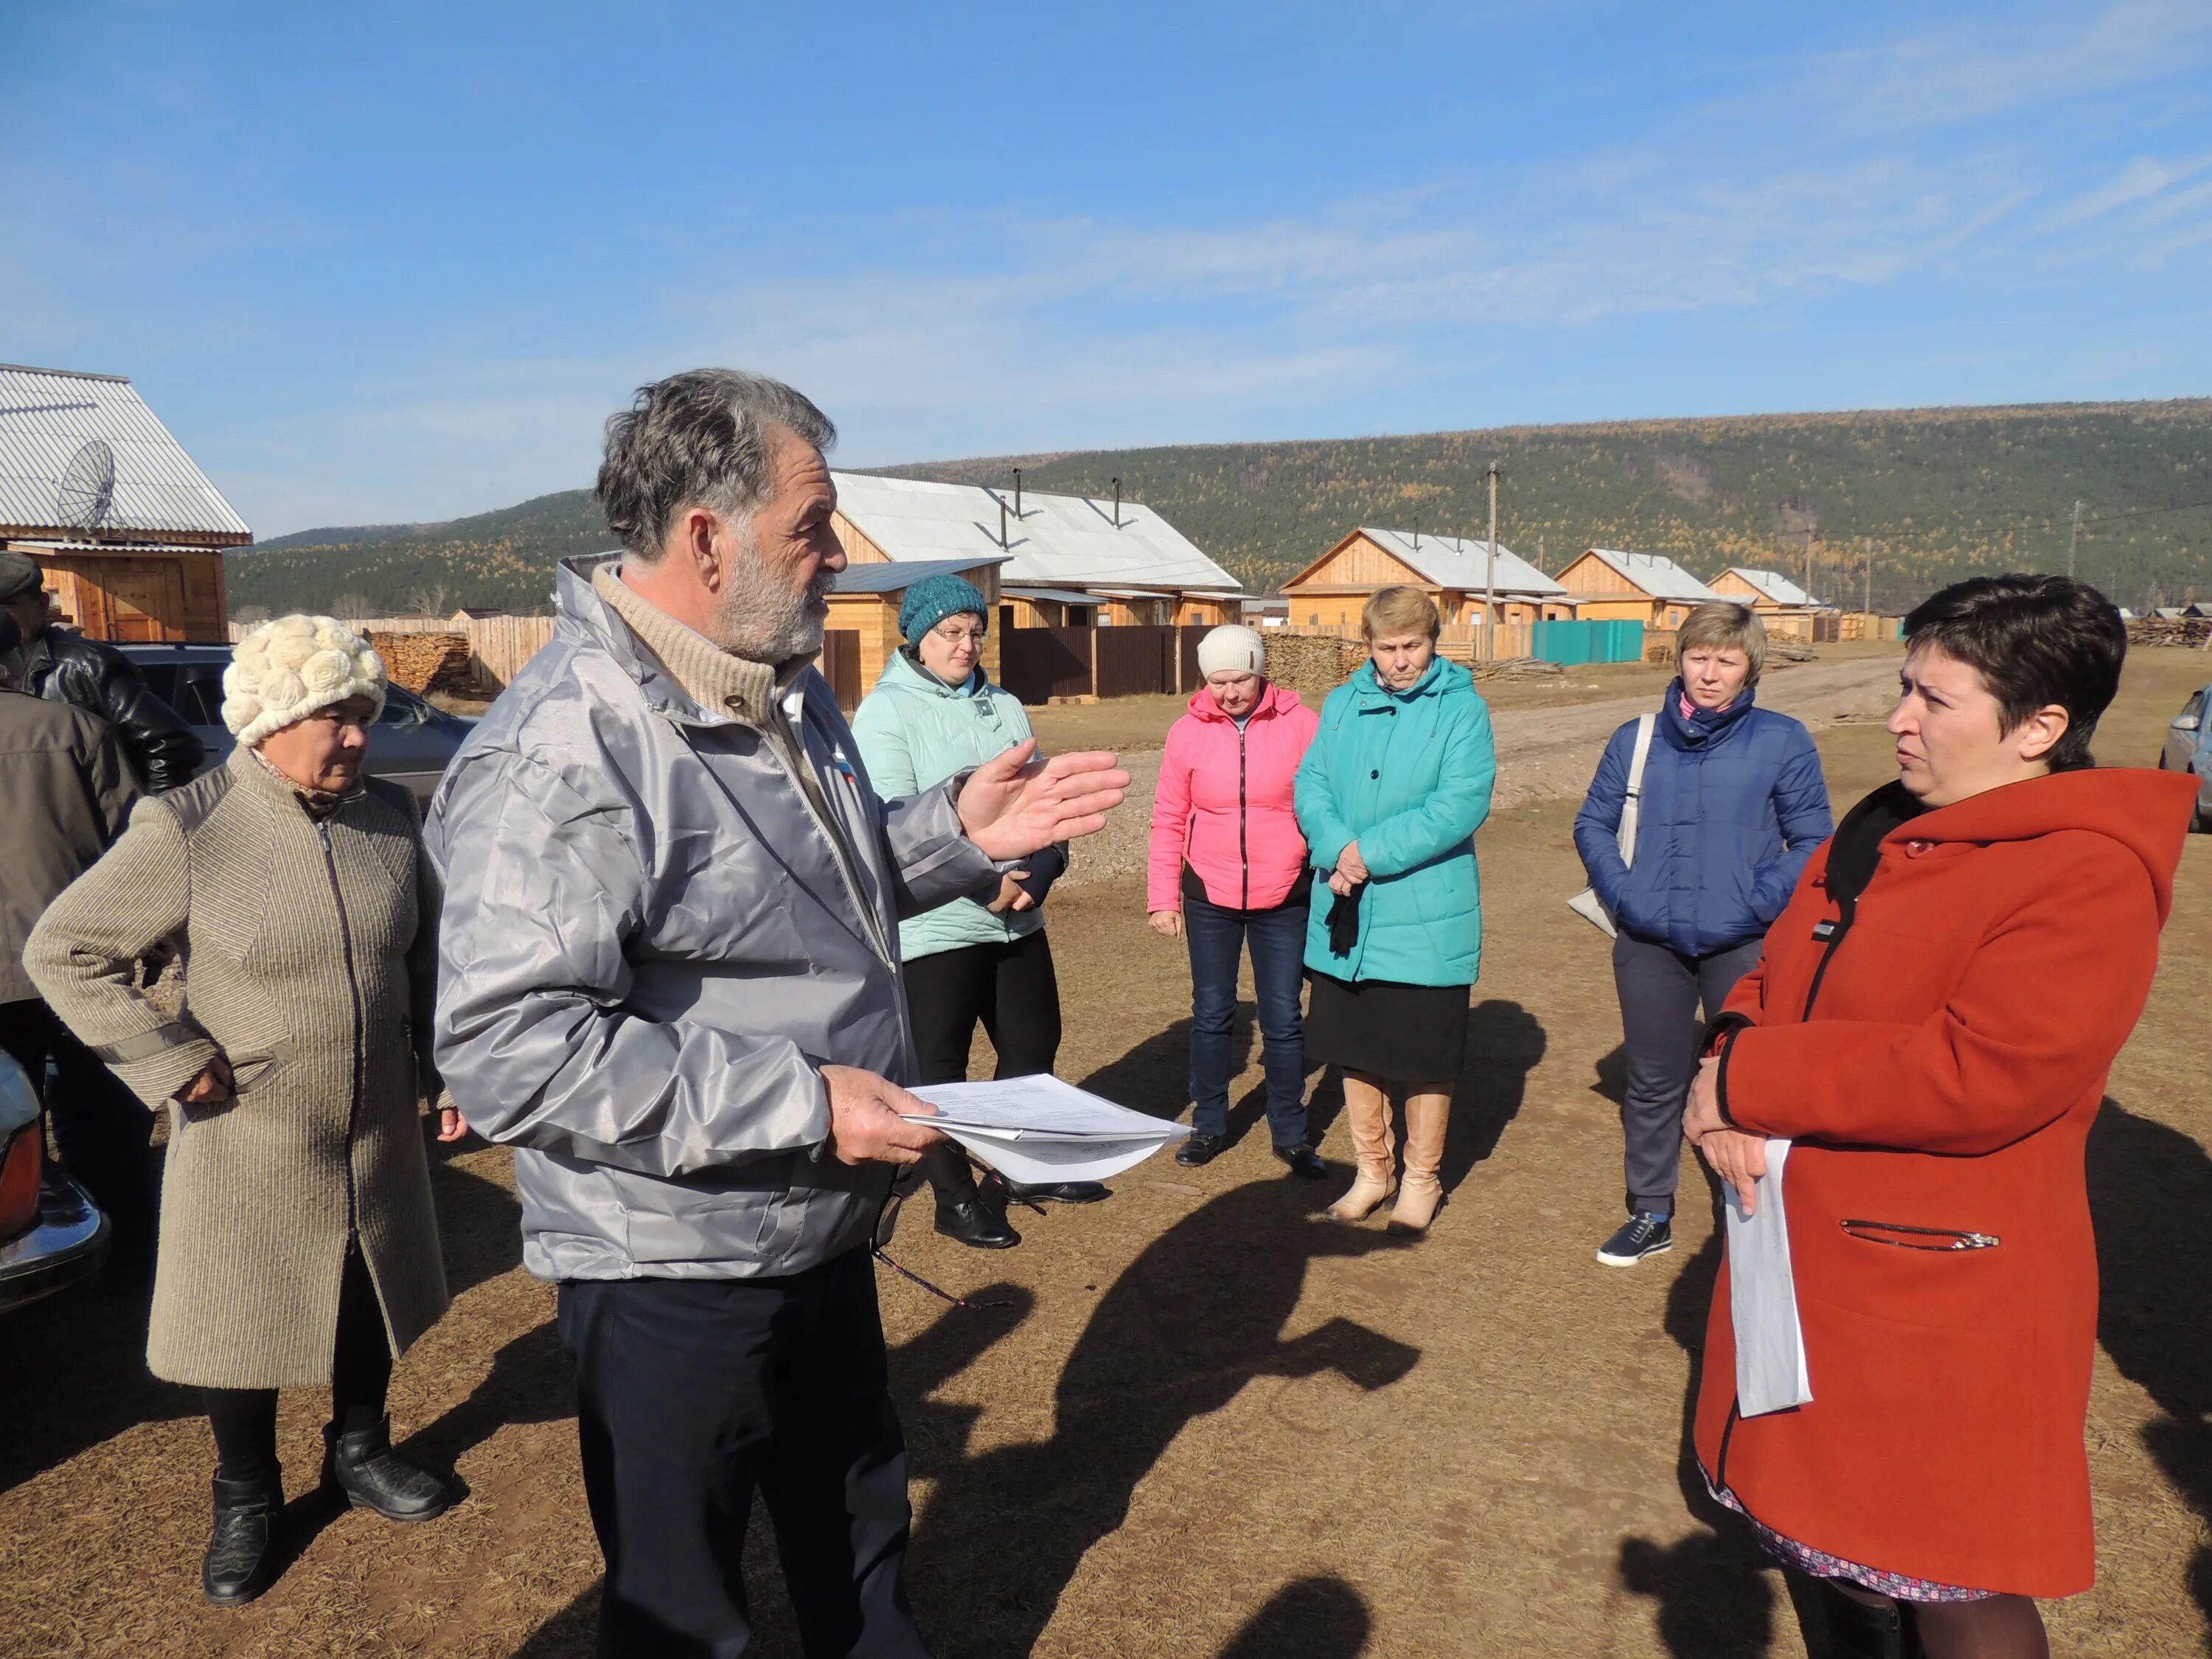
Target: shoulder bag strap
1632,810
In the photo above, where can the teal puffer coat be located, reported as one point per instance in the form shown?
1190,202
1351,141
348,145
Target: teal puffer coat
1407,774
916,731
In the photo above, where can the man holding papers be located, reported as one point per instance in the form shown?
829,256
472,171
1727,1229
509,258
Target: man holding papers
669,978
1930,1032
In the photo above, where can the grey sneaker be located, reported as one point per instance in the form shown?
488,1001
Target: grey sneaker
1642,1235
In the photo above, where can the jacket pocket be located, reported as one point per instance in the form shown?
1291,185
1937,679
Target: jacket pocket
1906,1237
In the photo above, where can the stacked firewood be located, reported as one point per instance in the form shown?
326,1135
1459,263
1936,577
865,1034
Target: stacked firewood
1312,664
428,663
2191,631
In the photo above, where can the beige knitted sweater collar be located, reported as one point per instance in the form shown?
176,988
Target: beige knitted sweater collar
709,676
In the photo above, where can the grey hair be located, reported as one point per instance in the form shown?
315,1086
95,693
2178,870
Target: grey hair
699,439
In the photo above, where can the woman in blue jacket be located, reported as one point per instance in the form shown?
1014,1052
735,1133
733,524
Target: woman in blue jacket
1733,804
934,712
1389,796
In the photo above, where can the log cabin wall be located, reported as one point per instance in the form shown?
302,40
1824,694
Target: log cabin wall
139,596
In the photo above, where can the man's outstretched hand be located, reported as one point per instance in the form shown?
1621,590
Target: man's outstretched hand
865,1125
1015,805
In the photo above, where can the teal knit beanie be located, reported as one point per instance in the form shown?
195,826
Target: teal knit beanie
933,599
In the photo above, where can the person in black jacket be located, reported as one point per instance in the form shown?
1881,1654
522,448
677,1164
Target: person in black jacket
64,667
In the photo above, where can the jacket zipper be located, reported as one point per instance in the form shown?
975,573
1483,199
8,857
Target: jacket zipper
1960,1239
1243,845
353,984
1847,908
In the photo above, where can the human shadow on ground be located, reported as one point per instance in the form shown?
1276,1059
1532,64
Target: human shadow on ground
2150,1197
1196,1317
1504,1044
1307,1619
1714,1599
1611,1080
81,1376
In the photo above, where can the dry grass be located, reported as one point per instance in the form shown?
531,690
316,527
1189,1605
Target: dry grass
1211,1424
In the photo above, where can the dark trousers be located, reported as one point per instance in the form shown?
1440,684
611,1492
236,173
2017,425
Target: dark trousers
1661,990
104,1132
1218,938
1012,989
690,1392
245,1419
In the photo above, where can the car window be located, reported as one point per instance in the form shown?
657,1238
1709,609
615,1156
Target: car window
2194,708
400,707
161,681
199,694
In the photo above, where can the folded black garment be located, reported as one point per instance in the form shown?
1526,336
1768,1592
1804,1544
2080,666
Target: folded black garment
1344,922
1037,873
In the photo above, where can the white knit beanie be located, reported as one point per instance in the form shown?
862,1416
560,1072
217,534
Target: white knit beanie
286,669
1231,646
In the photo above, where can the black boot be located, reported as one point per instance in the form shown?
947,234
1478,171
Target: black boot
372,1476
1860,1630
971,1221
241,1558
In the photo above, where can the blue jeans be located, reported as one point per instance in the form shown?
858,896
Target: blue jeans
1217,938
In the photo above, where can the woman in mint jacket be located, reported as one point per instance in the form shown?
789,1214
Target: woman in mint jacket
1389,796
934,712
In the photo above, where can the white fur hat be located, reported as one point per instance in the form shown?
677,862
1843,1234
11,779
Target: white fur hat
286,669
1231,646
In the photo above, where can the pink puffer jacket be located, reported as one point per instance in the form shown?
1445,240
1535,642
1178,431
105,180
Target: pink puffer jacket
1225,803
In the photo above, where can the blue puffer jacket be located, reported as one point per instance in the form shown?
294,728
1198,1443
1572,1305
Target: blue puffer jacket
1733,804
1407,774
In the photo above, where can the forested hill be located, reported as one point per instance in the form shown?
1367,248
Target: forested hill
1930,494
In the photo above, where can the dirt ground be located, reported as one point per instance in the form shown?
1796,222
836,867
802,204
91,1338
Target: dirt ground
1207,1422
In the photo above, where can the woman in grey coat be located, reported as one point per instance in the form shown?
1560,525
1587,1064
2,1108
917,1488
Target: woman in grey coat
298,1243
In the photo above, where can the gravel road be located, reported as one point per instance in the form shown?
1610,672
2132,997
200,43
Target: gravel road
1542,753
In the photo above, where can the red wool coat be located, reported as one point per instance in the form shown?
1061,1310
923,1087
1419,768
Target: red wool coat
1945,1079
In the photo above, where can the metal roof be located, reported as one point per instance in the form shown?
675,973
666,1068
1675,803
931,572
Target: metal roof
1773,585
896,577
48,416
1656,574
1051,595
1461,562
1064,541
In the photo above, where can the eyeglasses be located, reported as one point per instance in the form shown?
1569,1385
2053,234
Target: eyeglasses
959,635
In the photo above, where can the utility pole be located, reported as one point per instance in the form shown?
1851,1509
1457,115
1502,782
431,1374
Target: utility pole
2073,537
1490,577
1808,564
1868,606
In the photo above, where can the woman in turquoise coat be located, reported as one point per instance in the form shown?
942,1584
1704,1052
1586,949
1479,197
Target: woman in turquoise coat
1389,796
934,712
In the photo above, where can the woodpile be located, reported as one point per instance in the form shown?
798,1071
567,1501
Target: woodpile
1517,668
2189,631
428,663
1312,664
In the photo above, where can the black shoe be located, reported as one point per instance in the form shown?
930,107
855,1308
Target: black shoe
1858,1630
970,1221
1304,1161
1198,1150
1058,1191
1643,1234
372,1476
241,1560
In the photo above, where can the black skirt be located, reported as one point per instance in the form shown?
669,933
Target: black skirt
1400,1033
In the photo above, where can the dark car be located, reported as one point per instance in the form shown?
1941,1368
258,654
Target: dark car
51,1234
411,744
2188,748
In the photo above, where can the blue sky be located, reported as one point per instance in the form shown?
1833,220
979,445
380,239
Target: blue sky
399,262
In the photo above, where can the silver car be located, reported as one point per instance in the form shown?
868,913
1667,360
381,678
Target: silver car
2188,748
51,1234
411,744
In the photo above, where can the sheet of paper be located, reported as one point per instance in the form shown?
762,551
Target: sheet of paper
1769,1344
1039,1129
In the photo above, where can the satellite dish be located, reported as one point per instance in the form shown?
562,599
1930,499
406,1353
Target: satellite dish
88,488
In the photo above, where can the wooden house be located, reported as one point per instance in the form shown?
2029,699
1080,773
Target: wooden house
1454,571
1783,606
1606,586
864,606
1065,560
130,533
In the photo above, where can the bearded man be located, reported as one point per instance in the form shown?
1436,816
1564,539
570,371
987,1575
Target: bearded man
670,979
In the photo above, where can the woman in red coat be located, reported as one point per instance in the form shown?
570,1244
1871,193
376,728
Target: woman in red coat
1931,1026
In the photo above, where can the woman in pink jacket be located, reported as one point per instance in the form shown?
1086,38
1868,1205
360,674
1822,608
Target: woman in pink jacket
1228,867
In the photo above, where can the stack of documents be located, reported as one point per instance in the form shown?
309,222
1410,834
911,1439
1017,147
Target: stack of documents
1769,1344
1035,1130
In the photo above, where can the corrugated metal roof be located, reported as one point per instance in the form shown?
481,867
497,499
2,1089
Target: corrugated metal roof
1051,595
1058,540
1461,562
1774,584
48,415
896,577
1656,574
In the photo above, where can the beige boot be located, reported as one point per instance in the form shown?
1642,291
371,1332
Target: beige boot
1426,1117
1368,1111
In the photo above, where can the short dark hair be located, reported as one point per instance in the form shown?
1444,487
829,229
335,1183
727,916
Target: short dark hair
700,438
2035,640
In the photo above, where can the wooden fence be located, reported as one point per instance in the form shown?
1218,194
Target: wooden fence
1040,664
499,646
